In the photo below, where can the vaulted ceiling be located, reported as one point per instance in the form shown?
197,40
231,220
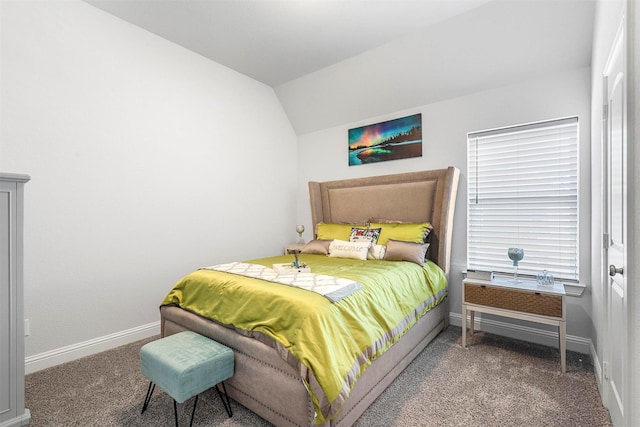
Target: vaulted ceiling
338,61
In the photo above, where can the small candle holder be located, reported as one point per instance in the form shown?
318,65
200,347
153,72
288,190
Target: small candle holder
300,230
544,278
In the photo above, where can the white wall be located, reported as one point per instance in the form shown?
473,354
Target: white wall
147,161
323,156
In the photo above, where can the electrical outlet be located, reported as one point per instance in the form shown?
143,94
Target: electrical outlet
27,327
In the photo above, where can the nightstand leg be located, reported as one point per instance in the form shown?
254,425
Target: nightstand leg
472,322
563,346
464,326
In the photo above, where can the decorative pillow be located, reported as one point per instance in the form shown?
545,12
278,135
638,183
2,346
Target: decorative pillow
320,247
406,251
346,249
376,252
365,235
416,232
331,231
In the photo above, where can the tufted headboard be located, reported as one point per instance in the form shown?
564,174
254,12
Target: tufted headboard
407,197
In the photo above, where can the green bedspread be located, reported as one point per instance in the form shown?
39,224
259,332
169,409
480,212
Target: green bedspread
336,342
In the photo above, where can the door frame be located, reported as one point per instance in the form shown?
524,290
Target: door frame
633,137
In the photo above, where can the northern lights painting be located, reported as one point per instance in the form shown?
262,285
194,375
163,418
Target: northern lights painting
390,140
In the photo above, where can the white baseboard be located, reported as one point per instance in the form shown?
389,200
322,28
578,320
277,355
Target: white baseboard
597,369
76,351
525,333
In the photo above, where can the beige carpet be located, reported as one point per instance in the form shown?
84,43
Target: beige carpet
494,382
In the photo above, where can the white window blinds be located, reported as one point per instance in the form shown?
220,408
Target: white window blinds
523,192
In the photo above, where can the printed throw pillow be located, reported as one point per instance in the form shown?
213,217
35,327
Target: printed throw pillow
344,249
365,235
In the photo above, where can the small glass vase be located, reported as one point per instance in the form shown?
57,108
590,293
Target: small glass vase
544,278
515,255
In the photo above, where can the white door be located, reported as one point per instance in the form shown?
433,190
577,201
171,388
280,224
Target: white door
614,126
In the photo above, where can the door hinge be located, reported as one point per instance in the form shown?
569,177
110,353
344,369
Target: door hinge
605,112
605,370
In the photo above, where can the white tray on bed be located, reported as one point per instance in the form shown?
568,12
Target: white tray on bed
287,268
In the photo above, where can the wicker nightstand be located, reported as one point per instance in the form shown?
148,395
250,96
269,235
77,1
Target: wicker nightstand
524,300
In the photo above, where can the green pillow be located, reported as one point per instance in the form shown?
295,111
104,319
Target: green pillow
415,232
330,231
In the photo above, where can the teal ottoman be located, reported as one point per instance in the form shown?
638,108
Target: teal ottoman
184,365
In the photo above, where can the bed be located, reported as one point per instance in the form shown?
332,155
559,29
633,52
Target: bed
269,379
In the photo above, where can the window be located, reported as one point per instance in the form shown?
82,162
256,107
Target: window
523,192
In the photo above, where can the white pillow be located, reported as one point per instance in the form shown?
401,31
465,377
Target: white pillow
377,252
344,249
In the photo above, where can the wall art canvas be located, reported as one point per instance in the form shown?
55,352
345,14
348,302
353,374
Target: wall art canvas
391,140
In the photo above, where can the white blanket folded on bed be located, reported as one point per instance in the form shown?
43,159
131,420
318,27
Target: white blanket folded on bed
333,288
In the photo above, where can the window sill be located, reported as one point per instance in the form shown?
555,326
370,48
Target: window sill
574,289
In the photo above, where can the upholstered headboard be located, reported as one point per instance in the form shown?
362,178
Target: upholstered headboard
408,197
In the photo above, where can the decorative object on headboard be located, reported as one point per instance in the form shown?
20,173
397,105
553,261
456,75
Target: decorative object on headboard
300,230
394,139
